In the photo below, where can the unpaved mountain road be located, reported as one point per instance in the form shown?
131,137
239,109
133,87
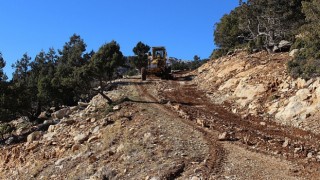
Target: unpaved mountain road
161,130
252,148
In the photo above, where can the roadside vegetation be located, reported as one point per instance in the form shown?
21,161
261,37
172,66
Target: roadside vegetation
257,25
64,77
180,65
57,78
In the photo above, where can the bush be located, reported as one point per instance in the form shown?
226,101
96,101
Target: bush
304,67
217,53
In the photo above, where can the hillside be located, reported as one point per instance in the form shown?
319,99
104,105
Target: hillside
218,122
259,85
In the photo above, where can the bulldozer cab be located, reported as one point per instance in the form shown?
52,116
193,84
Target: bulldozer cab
158,58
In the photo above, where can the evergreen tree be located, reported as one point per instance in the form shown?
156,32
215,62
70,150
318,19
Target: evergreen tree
104,64
3,76
306,64
21,69
22,95
141,59
68,78
227,34
258,24
271,21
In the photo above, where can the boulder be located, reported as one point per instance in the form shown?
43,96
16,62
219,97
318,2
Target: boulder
10,140
301,83
226,136
229,84
284,45
34,136
61,113
247,92
21,120
293,52
202,122
98,101
303,94
48,136
83,104
68,121
80,138
51,128
275,49
43,115
294,108
21,130
95,130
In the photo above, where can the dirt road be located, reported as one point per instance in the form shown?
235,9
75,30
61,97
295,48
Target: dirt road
162,130
251,149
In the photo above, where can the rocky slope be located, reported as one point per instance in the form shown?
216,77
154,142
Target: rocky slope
156,130
259,85
171,129
131,140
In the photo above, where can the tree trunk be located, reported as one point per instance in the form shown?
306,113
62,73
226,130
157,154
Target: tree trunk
102,94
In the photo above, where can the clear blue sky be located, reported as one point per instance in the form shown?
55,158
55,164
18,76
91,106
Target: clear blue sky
185,27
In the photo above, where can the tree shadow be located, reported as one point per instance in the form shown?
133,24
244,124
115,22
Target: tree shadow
125,83
184,78
157,102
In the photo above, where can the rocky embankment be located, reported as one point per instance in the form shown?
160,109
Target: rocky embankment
134,138
69,145
259,84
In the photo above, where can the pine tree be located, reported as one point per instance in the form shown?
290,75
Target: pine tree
3,76
141,58
104,64
70,66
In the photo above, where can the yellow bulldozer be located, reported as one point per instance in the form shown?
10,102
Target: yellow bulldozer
157,64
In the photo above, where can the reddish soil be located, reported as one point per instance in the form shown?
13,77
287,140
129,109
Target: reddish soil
252,133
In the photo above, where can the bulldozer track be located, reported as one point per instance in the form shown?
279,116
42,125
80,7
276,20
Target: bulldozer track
253,133
214,162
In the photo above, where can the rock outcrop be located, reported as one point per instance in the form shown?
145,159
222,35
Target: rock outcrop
259,84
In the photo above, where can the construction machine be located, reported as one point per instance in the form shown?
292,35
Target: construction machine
157,64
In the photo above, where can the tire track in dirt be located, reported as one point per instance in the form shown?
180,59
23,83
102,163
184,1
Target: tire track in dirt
214,162
263,137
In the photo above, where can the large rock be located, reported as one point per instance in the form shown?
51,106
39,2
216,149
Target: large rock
246,92
98,101
303,94
284,45
48,136
275,49
34,136
293,109
21,120
83,104
10,140
229,84
226,136
43,115
61,113
293,52
80,138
